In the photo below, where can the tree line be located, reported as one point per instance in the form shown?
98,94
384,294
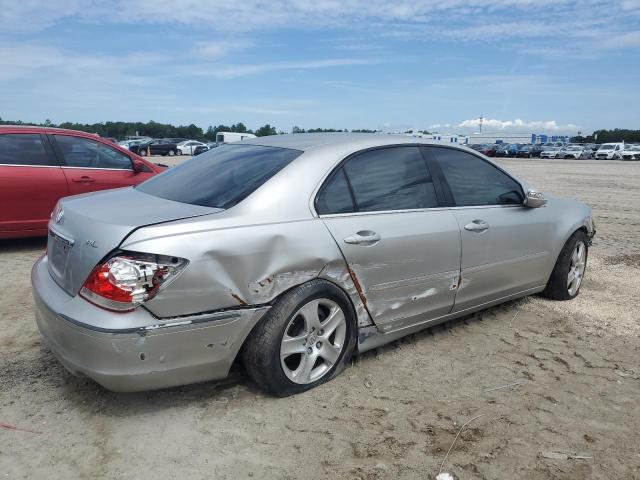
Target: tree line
609,136
121,130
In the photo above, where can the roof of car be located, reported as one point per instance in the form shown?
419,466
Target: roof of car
312,141
40,129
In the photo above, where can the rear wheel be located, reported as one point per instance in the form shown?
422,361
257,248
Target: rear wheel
304,340
171,153
142,152
567,275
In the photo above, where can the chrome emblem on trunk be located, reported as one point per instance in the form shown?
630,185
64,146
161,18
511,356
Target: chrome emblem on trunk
60,217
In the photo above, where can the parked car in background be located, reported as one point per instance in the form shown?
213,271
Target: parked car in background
204,268
549,152
200,149
128,143
162,147
502,150
188,147
38,166
577,152
630,152
489,150
230,137
529,151
609,151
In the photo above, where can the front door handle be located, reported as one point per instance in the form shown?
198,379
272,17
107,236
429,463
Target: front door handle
363,237
83,179
477,226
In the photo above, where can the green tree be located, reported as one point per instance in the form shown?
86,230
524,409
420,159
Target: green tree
265,131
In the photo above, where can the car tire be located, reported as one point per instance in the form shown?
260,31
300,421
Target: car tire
291,320
570,263
142,152
171,153
179,152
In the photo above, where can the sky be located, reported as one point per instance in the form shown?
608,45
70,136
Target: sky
556,66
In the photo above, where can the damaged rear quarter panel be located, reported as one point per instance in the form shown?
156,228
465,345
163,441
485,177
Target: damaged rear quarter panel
242,266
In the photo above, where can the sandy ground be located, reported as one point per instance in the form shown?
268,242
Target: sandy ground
393,413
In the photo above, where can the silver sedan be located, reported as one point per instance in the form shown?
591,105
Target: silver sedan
294,252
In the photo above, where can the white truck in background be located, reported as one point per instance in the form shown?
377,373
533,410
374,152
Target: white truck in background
230,137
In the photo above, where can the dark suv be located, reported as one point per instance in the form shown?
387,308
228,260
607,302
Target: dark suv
164,147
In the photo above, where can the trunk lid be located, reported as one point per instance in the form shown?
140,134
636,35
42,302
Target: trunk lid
87,227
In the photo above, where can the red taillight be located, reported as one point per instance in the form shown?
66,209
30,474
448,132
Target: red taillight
128,280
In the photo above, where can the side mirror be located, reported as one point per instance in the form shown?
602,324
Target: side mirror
534,199
138,166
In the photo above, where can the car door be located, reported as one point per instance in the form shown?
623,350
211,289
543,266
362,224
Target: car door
505,245
91,165
403,251
31,182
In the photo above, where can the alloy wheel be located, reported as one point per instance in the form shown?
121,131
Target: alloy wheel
313,341
576,269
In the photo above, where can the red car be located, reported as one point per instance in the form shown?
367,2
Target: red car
40,165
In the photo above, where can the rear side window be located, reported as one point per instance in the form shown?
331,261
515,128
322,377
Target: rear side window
85,153
221,177
24,149
394,178
335,196
475,182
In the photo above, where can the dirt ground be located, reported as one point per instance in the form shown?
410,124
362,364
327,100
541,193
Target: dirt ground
572,370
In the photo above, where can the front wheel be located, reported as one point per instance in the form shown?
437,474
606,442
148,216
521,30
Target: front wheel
305,339
179,152
568,272
171,153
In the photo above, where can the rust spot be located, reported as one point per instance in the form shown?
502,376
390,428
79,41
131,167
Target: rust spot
356,282
239,300
265,282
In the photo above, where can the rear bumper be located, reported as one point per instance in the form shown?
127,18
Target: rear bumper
141,352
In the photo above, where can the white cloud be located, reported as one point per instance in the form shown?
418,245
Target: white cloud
625,40
468,20
518,124
227,71
217,49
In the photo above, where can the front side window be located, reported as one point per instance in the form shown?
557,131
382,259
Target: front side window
475,182
221,177
23,149
394,178
85,153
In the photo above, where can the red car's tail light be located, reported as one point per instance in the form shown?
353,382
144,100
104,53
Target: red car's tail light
129,279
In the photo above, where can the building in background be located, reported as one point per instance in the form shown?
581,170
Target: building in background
506,137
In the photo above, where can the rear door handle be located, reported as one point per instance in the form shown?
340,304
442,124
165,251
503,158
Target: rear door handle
363,237
83,179
477,226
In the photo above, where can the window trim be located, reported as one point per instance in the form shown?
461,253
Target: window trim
333,171
62,162
445,184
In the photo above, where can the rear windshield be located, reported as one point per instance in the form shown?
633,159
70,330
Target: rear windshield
221,177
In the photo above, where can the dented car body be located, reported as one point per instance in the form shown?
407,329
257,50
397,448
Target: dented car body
420,254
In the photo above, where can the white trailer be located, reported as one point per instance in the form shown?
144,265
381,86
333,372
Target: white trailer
230,137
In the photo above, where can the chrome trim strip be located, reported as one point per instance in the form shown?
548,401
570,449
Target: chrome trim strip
434,209
67,167
29,166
